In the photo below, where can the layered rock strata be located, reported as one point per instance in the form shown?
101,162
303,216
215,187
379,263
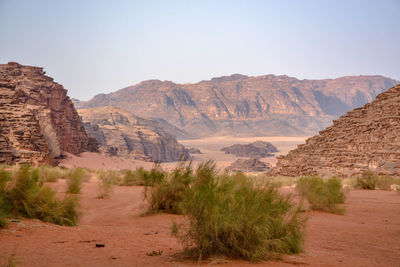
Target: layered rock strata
38,121
240,105
120,133
366,138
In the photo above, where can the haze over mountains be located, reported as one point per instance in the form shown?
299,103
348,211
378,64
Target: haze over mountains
240,105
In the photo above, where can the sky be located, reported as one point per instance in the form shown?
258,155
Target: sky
93,47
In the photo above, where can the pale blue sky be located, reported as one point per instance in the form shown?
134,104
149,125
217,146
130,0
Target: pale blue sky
94,47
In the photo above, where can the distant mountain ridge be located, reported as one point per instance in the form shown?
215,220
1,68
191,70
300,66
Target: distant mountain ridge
246,106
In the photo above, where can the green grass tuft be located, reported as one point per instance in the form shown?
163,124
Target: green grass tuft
324,195
107,181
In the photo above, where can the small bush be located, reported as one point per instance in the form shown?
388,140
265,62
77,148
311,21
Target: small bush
167,193
368,180
388,183
154,176
25,195
107,181
231,216
136,177
324,195
51,174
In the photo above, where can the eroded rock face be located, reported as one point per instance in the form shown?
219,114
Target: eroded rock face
120,133
257,149
249,165
367,138
246,106
38,121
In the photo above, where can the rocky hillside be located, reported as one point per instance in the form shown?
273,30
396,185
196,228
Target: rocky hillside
246,106
257,149
38,121
120,133
365,138
249,165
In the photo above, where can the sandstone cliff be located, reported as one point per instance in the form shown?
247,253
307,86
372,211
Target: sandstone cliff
38,121
365,138
120,133
246,106
257,149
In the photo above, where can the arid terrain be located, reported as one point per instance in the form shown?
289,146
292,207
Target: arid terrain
367,235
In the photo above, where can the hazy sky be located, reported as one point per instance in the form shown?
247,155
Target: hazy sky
94,47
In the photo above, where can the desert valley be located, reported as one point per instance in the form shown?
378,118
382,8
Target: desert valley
199,133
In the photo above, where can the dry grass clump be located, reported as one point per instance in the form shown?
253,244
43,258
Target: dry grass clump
233,216
322,194
107,181
136,177
22,193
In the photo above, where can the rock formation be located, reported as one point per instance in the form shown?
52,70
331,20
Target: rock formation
257,149
249,165
367,138
193,150
246,106
120,133
38,121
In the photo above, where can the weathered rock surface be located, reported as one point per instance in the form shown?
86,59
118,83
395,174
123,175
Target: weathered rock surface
249,165
257,149
38,121
193,150
246,106
365,138
120,133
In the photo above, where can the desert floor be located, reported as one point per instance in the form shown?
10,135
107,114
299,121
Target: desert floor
210,147
367,235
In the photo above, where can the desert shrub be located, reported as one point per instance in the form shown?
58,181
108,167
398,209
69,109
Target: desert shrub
386,182
136,177
108,179
154,176
51,174
25,195
324,195
367,180
166,194
231,216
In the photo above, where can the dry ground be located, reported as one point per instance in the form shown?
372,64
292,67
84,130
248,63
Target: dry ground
367,235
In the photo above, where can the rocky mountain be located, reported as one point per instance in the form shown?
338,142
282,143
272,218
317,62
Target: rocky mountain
249,165
120,133
38,121
246,106
366,138
257,149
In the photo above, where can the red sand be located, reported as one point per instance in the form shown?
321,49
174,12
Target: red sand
367,235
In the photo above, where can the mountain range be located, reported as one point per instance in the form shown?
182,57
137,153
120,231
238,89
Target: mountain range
242,105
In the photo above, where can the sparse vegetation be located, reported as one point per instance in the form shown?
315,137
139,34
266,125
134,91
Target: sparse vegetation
22,193
322,194
168,190
51,174
233,216
108,179
368,180
136,177
76,177
386,182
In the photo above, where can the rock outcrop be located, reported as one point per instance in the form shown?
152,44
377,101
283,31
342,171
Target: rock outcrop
249,165
246,106
193,150
257,149
38,121
367,138
120,133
